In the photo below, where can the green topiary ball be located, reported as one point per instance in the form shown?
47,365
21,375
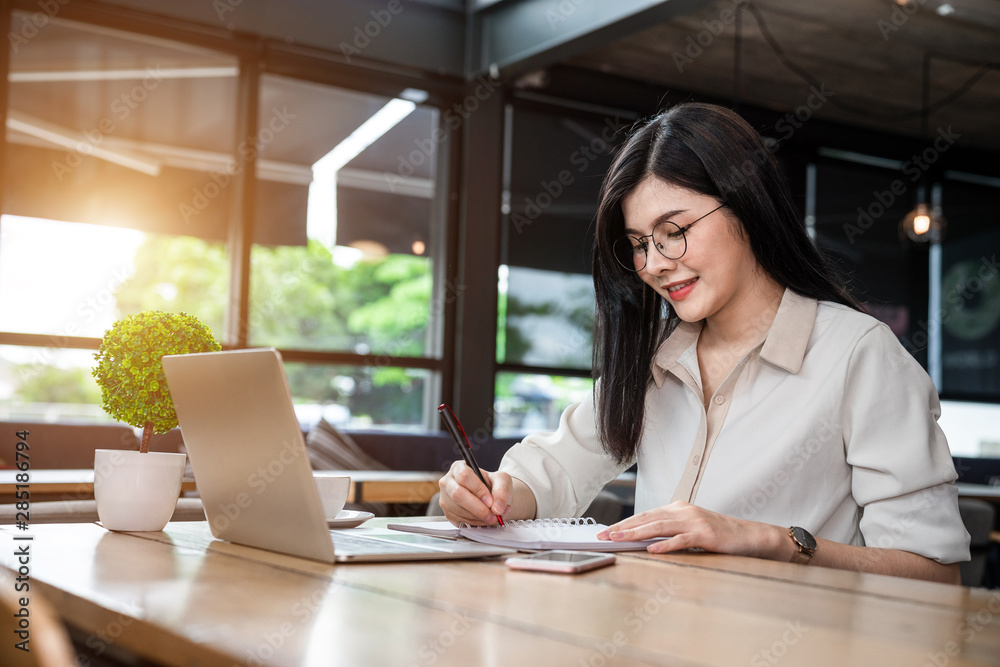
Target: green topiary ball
129,372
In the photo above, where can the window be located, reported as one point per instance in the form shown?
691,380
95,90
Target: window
546,307
973,429
970,293
347,261
858,211
110,135
122,152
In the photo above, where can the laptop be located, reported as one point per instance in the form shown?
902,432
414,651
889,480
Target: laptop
253,472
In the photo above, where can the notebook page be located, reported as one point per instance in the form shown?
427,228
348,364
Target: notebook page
570,534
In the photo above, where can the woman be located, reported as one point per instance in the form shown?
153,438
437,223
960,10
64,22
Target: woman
761,405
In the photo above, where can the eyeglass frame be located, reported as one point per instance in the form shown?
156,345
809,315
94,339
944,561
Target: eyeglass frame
645,239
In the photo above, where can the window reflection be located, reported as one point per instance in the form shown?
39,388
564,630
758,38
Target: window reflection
546,319
49,385
529,403
351,268
358,396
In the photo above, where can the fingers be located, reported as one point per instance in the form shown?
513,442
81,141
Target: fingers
686,525
676,543
689,526
465,498
502,490
675,511
653,529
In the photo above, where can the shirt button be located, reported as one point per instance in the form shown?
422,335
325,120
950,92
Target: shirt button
696,459
719,400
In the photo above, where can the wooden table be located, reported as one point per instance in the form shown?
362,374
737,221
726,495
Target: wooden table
385,486
179,597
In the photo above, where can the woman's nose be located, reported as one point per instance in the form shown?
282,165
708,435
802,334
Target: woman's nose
656,263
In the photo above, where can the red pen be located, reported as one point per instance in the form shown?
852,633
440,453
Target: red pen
455,428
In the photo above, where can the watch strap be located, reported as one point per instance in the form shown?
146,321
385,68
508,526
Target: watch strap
803,553
801,556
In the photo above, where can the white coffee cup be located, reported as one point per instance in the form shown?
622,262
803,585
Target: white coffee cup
332,493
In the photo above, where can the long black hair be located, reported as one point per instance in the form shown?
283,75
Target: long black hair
712,151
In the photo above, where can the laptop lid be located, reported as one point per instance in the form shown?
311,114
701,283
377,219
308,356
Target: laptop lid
246,448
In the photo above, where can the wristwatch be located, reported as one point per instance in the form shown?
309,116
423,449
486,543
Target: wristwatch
805,542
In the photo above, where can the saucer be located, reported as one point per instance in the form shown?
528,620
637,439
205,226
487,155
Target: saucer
349,519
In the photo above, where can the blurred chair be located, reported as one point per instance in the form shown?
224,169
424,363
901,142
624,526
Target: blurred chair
978,517
59,446
49,643
71,446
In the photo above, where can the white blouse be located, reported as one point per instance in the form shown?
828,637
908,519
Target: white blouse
828,423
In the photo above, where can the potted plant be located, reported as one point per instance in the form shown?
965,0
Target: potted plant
138,490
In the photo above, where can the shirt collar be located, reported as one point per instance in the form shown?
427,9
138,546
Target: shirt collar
788,337
667,358
784,344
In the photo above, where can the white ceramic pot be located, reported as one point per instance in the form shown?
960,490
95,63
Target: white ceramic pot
136,492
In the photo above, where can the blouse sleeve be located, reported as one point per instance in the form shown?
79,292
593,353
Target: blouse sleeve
566,469
902,470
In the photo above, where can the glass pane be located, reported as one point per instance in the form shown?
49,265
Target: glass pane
115,181
358,396
546,318
526,403
351,268
973,429
90,275
48,385
110,128
546,295
557,162
970,293
857,225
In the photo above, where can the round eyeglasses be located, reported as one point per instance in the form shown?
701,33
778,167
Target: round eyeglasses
668,239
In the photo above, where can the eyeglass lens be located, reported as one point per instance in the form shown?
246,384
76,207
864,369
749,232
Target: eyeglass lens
667,237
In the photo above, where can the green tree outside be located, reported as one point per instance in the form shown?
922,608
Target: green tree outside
52,384
301,299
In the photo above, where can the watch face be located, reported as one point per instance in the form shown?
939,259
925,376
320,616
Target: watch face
803,537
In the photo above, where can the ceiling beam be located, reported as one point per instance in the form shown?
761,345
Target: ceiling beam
515,36
424,35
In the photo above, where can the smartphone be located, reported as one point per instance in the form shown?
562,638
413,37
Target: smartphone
564,562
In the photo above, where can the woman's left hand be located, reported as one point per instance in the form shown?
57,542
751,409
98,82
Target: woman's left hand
690,526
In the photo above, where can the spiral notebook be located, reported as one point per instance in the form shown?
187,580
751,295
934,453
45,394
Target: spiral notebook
577,534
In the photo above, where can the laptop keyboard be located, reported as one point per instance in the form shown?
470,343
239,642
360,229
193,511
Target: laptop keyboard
344,542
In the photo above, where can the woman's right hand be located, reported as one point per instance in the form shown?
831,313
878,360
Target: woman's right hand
466,499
